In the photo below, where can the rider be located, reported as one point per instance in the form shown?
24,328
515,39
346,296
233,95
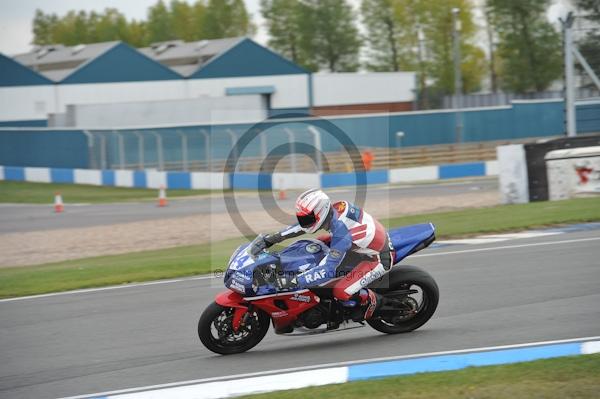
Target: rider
359,254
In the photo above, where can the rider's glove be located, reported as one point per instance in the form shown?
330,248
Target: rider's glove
258,245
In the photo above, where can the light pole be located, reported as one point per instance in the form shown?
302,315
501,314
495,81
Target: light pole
318,148
399,137
184,149
456,27
206,149
290,135
423,102
567,24
140,138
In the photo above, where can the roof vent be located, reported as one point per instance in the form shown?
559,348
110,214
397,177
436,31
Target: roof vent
77,49
44,50
161,47
200,45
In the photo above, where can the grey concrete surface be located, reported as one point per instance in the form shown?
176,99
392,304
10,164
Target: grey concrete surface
138,336
23,218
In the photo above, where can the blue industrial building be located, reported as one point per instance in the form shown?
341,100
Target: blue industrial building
118,62
13,73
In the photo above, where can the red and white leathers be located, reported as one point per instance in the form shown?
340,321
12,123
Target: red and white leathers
368,258
359,253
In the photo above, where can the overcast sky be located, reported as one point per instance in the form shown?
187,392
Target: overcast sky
16,16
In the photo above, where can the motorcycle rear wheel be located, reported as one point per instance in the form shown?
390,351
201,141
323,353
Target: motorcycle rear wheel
405,278
215,330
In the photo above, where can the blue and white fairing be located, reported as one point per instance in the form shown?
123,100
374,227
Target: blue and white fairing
244,271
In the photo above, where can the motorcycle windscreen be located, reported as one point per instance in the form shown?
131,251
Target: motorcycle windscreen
410,239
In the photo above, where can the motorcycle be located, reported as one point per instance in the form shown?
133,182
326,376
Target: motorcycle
259,292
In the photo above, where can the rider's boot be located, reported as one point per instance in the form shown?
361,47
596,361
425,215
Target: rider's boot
369,301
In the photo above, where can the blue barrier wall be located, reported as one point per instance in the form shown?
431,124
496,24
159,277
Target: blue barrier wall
25,123
522,119
58,149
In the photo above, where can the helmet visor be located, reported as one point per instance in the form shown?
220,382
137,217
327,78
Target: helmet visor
306,221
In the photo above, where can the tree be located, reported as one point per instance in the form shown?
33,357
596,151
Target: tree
159,25
136,35
529,48
110,25
183,22
198,12
589,46
438,33
384,35
226,18
422,41
176,20
284,23
330,35
43,27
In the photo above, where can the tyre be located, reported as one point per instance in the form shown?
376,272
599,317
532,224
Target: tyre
422,303
215,330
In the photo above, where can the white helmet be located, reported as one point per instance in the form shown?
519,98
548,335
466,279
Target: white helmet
312,208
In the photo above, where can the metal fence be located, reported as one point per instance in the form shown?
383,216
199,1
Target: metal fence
499,99
200,149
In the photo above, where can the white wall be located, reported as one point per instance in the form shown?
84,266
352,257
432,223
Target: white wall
573,172
291,91
106,93
204,110
512,169
36,102
363,88
26,102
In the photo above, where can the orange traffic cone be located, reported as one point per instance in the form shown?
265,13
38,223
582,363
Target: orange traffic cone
162,196
58,203
282,194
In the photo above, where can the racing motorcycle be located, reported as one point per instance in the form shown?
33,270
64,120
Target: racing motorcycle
259,293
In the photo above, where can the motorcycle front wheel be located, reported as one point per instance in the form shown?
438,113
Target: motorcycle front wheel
417,307
215,330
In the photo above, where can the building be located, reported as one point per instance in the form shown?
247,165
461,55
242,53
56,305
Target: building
66,85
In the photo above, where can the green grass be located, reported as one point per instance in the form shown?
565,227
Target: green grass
43,193
507,217
200,259
116,269
568,377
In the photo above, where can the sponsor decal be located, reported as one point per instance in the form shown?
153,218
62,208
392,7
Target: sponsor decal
340,207
335,254
316,275
234,285
354,213
583,172
301,298
313,248
243,260
279,314
588,177
243,276
370,277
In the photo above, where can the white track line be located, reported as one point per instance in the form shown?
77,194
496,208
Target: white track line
535,244
206,277
336,364
112,287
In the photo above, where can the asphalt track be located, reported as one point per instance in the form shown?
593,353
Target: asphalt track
15,218
504,293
